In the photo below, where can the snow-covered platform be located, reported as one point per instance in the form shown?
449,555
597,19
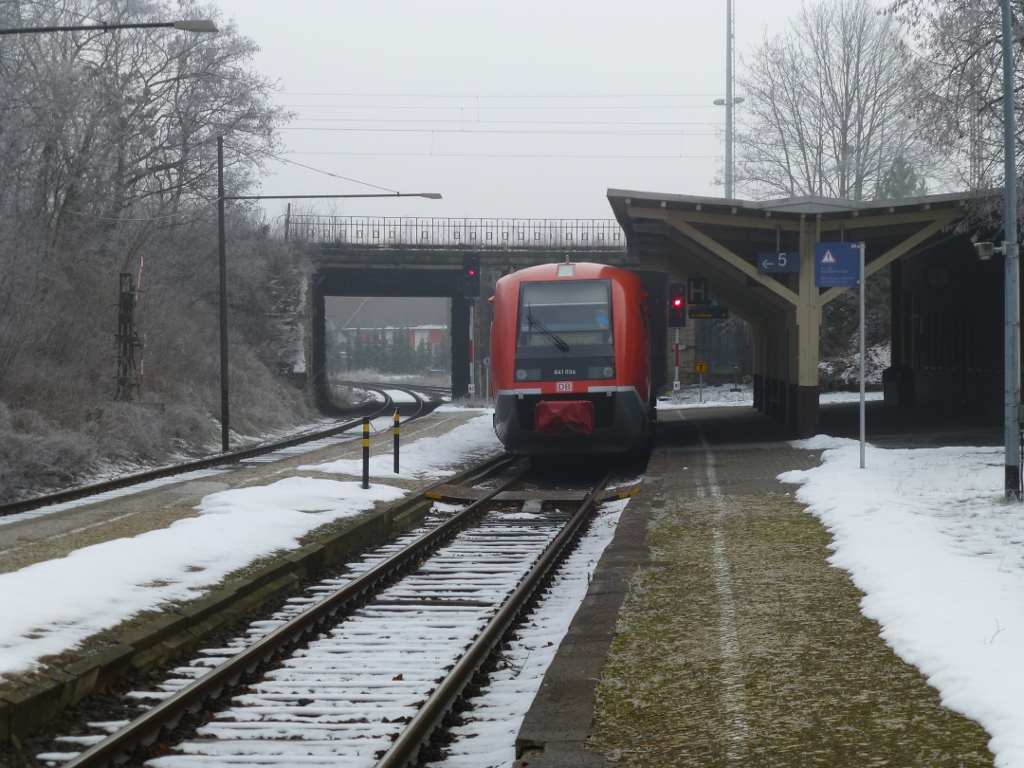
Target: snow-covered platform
770,602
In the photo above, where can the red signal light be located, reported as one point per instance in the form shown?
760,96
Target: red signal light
677,305
470,281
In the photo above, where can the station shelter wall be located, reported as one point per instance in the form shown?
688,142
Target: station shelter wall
948,328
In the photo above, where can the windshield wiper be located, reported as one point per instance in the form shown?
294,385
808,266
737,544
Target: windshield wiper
558,340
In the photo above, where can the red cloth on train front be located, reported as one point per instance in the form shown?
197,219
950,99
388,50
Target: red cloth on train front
555,417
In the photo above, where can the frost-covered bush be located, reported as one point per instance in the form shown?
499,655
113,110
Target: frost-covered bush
260,400
130,432
843,373
187,427
35,455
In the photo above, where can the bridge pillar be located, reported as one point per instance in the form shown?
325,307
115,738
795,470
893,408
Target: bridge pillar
460,346
318,349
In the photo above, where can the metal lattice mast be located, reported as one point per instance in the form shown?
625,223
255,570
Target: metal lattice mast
125,340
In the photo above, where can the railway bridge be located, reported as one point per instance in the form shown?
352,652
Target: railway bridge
414,257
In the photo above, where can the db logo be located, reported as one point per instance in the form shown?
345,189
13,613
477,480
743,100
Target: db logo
563,386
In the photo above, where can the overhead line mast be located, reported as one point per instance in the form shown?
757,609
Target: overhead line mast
729,54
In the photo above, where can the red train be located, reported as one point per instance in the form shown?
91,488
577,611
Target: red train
571,361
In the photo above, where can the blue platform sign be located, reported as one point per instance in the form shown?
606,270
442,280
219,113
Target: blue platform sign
788,262
836,265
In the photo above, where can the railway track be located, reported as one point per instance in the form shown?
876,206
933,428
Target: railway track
364,666
415,405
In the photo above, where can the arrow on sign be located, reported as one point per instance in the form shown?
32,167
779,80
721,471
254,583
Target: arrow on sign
784,262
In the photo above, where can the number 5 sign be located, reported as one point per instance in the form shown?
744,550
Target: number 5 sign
786,263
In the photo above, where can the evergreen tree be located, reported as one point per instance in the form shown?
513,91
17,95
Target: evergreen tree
901,180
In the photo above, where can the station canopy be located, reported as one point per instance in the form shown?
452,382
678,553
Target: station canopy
723,240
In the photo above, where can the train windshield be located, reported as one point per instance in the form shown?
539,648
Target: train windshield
563,314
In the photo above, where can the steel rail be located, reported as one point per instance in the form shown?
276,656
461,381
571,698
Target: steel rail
146,728
405,749
73,494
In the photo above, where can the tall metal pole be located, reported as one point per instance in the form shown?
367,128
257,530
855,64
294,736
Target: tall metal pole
222,248
863,357
728,98
1010,250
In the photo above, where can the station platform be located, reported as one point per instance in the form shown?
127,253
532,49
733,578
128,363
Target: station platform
715,633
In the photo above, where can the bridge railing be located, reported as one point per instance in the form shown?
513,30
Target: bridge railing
475,234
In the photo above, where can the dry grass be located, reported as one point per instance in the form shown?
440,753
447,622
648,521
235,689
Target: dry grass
763,659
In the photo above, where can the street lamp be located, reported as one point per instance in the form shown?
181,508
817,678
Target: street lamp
188,25
222,254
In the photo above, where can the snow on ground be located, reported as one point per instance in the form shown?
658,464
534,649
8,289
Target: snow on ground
924,533
729,394
52,606
428,457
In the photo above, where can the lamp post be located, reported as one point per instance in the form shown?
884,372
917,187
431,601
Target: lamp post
188,25
222,254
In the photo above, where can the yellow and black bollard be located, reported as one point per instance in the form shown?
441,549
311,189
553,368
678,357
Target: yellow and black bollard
396,439
366,451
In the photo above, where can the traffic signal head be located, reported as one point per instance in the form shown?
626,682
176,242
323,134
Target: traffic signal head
677,305
470,274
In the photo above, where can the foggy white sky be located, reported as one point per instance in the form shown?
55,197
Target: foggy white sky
524,108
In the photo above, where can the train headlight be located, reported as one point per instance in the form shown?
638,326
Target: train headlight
601,372
608,372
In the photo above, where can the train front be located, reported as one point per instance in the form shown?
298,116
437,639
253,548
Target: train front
570,360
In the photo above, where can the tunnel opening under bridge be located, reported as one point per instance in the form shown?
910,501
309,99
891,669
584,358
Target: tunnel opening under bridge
396,282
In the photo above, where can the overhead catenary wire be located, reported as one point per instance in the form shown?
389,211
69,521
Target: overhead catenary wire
518,108
506,96
492,155
540,117
501,122
507,132
335,175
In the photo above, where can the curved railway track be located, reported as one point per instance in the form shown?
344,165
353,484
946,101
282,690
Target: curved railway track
415,407
364,667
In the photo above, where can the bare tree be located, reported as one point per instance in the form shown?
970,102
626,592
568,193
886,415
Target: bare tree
132,116
959,104
826,109
108,150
